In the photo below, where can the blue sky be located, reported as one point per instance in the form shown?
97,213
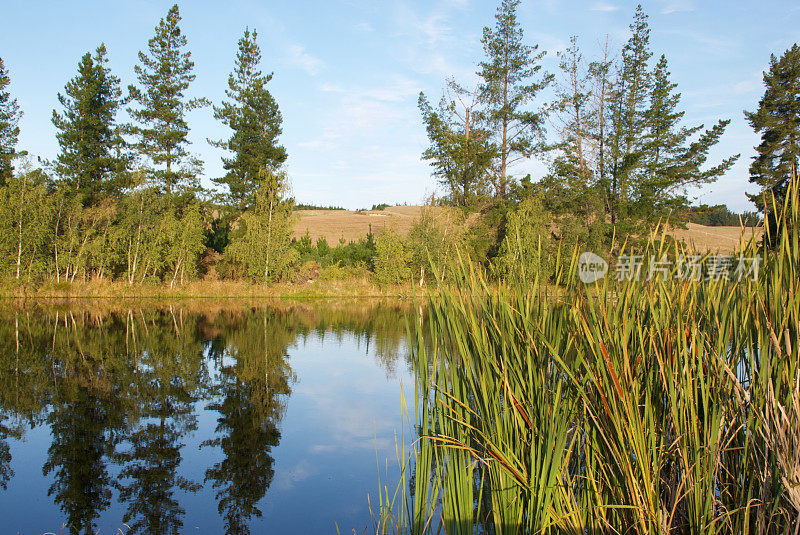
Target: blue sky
347,73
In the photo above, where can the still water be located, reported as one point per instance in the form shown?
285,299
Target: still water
132,417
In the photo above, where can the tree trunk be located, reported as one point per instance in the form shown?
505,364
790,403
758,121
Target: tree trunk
21,203
269,242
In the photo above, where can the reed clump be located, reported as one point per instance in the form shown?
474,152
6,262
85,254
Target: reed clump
669,405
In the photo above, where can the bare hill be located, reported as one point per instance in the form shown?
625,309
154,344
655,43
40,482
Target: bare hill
335,224
712,239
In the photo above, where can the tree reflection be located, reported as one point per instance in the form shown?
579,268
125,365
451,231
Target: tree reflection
82,423
6,472
119,390
167,377
252,391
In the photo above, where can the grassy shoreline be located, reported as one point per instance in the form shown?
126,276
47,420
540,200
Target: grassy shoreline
333,288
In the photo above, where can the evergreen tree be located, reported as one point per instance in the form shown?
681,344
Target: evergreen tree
575,117
87,132
9,126
253,115
570,191
164,74
671,161
777,119
601,75
508,87
460,152
628,122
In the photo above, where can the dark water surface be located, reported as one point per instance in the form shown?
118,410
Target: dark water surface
132,417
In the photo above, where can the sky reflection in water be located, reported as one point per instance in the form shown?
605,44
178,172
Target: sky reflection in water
198,419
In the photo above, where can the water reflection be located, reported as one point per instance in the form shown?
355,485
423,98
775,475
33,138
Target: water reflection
121,389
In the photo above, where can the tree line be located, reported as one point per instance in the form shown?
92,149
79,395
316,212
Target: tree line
621,153
123,201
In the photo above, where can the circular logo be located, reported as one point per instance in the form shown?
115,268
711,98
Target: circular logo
591,267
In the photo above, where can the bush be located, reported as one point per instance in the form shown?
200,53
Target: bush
525,250
434,240
391,259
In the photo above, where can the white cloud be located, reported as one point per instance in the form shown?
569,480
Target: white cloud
428,41
718,46
288,478
297,56
604,7
750,85
365,27
677,6
364,109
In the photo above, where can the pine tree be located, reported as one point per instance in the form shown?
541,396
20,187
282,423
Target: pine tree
671,161
9,126
575,116
601,74
508,87
777,119
164,74
461,151
253,115
629,104
87,132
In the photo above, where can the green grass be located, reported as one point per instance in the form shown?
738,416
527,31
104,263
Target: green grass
666,406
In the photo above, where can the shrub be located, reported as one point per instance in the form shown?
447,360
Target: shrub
391,259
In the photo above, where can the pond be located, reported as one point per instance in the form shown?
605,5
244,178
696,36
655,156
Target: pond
132,417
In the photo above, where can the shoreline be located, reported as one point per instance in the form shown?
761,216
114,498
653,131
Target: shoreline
356,288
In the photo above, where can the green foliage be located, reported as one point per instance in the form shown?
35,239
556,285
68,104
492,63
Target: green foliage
358,253
164,74
461,151
217,235
10,115
776,120
303,206
672,162
345,272
434,241
262,241
720,216
653,159
391,258
623,142
255,119
577,116
82,236
186,243
527,252
89,162
509,84
25,235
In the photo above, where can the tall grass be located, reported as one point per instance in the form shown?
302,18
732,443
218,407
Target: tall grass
660,406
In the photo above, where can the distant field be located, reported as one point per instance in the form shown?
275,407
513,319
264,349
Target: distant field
334,224
721,239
